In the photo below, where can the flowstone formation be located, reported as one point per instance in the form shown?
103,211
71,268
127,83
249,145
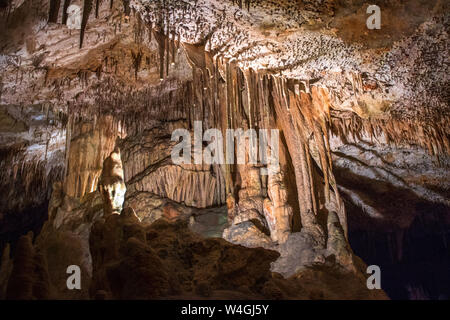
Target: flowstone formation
89,102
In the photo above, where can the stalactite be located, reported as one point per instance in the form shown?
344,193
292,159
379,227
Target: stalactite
67,148
138,30
160,39
98,71
149,30
126,7
87,7
296,147
432,137
64,14
137,59
97,6
54,10
167,53
304,117
172,43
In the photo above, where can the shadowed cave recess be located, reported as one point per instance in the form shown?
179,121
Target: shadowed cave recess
91,93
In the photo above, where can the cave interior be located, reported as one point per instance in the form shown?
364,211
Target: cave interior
92,94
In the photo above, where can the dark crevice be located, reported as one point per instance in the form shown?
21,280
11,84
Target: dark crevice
410,243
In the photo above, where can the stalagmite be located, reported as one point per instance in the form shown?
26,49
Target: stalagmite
112,185
54,10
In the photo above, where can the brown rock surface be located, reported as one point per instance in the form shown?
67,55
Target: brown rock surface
169,261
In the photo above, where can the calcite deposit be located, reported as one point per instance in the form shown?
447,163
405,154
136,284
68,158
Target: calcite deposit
112,185
90,99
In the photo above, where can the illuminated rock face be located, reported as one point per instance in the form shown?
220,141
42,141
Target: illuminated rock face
277,211
89,143
112,185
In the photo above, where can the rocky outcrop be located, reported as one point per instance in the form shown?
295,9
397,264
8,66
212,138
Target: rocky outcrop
29,279
169,261
64,240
